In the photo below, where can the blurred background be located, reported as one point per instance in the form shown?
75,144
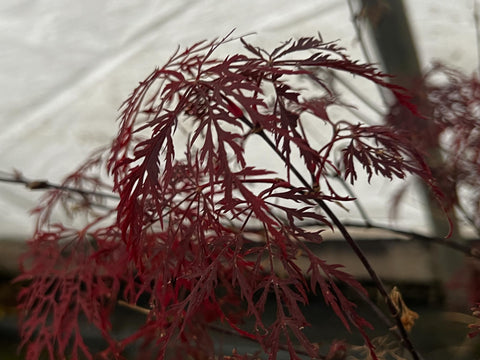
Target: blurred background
68,66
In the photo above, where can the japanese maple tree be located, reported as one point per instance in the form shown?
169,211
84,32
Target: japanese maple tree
176,228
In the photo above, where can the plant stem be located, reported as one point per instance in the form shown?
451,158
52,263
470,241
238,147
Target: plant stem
467,250
351,242
213,327
44,185
361,40
358,204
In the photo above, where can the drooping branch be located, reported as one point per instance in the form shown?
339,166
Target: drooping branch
178,238
348,238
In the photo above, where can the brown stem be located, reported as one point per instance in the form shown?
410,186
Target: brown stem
45,185
351,242
467,250
213,327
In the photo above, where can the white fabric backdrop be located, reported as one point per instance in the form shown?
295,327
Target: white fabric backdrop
67,66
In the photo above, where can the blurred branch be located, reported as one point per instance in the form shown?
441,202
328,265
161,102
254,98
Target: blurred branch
468,218
358,204
214,327
356,16
467,250
476,19
18,178
358,94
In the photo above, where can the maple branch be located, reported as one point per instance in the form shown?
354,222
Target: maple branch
133,307
477,31
45,185
361,41
362,98
348,238
373,275
468,217
467,250
358,31
231,332
216,328
369,224
358,204
358,94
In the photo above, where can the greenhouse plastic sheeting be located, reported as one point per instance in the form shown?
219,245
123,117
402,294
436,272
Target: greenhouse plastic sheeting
66,67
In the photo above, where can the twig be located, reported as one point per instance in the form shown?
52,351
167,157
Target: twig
352,109
468,218
358,94
361,41
348,238
358,204
467,250
213,327
133,307
358,31
45,185
477,31
231,332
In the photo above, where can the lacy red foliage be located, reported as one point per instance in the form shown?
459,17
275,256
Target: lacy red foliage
179,234
450,104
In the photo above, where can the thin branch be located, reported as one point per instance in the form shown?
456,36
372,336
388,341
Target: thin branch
476,18
348,238
373,275
216,328
363,46
467,250
349,108
358,204
223,330
355,112
134,307
358,31
358,94
468,218
45,185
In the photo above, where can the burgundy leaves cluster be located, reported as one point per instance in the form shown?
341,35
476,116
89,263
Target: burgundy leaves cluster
179,234
450,104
